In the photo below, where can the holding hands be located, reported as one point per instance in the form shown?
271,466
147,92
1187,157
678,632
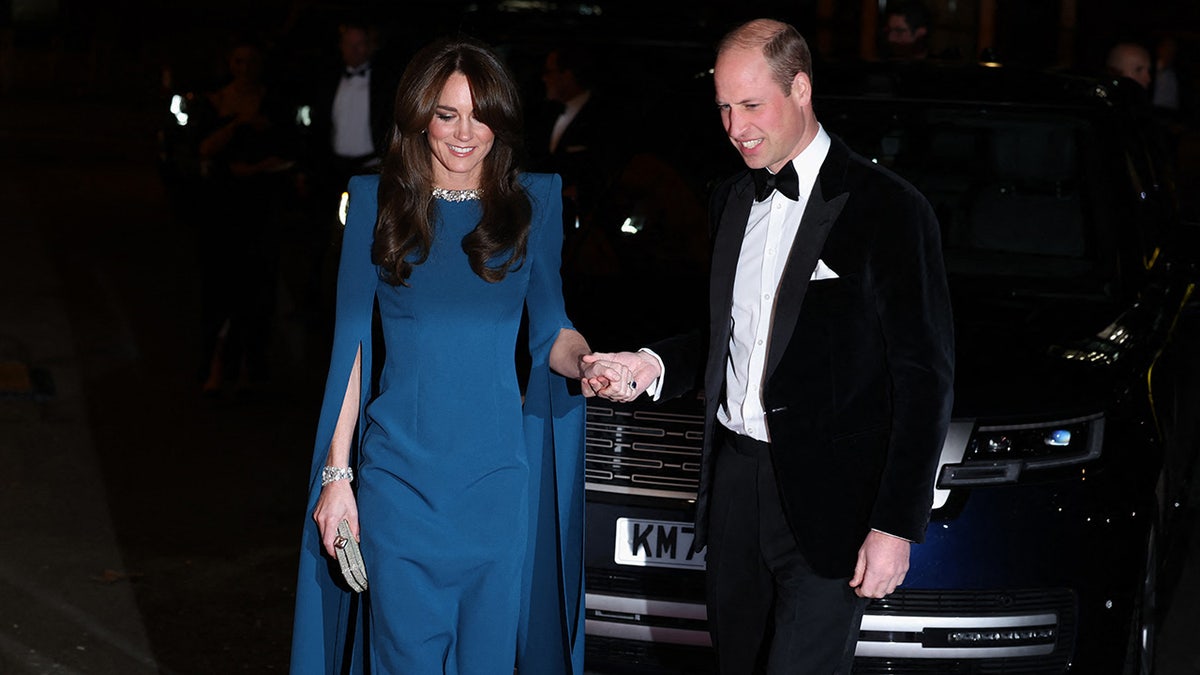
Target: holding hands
618,376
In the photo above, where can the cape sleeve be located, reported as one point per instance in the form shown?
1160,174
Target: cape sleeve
550,639
323,636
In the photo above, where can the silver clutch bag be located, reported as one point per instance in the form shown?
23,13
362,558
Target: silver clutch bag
349,558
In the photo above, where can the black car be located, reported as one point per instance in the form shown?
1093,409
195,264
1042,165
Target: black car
1057,481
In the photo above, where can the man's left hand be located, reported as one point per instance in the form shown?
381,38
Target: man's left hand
882,564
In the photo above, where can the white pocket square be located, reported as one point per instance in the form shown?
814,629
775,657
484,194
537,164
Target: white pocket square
822,272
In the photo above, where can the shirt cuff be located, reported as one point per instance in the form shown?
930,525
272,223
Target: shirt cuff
654,389
890,534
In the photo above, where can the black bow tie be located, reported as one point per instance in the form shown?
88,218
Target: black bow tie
786,181
360,72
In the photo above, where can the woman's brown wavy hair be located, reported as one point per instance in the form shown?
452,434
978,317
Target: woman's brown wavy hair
407,214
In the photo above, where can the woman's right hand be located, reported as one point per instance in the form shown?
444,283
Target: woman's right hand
336,504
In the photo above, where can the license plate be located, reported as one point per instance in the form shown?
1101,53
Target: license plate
656,543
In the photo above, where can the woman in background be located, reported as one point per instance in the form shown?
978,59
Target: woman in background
245,146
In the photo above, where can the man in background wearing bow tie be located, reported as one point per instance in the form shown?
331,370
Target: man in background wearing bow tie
827,366
353,114
350,113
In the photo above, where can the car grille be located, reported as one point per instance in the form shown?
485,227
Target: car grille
666,585
1060,603
676,636
939,602
646,658
651,451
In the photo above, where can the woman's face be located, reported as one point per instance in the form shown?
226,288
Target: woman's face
459,141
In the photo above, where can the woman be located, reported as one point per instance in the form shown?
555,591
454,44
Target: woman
243,143
468,508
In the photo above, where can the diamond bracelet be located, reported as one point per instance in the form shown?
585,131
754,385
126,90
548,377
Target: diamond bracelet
335,473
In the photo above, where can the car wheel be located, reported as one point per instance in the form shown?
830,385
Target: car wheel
1139,653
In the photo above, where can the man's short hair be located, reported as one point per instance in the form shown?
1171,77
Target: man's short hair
915,14
781,44
579,60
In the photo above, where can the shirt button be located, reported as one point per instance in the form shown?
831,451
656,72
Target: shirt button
759,343
770,251
749,431
778,206
766,296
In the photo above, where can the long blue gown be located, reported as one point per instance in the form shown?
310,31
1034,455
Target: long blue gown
470,504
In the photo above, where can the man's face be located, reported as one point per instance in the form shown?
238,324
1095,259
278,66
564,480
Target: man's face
1132,62
766,126
355,46
899,34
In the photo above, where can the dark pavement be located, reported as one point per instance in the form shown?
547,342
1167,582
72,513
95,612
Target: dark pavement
145,528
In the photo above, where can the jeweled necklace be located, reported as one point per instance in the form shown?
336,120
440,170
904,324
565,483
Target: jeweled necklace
456,195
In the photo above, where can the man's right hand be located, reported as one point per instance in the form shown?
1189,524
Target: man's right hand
643,370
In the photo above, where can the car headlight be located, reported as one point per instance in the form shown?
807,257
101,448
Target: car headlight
1001,453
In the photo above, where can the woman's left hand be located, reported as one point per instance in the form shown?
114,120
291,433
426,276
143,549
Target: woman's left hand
605,378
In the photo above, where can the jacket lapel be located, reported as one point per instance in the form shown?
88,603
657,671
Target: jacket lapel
819,216
727,246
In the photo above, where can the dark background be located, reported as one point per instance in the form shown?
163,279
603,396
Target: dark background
145,528
97,44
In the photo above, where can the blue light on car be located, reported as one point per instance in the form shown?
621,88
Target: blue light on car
1058,438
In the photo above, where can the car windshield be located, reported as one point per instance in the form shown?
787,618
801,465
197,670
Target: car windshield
1014,192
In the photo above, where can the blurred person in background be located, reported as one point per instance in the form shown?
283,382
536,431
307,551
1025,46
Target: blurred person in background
353,108
1166,79
1130,60
572,138
906,30
351,114
246,145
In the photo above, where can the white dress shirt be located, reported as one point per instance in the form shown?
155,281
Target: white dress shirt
352,116
570,110
765,248
766,245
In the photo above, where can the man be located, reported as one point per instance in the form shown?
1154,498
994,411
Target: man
572,141
906,30
351,116
1131,60
828,372
351,122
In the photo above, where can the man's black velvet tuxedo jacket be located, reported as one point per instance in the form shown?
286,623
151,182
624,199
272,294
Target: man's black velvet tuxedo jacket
859,368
